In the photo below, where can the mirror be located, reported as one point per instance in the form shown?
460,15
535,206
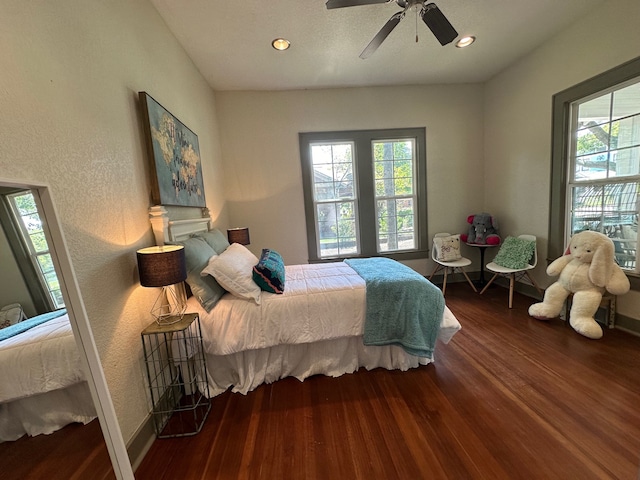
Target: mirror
77,318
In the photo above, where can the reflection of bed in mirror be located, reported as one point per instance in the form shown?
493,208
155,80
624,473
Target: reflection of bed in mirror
315,327
42,383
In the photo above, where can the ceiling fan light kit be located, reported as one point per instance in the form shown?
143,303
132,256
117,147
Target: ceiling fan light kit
438,24
431,15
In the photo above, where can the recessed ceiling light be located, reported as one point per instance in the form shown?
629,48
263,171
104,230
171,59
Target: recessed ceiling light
281,44
465,41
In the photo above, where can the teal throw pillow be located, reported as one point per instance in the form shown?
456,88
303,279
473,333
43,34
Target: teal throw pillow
515,253
269,272
197,254
216,240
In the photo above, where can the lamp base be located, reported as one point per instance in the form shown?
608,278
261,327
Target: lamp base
168,309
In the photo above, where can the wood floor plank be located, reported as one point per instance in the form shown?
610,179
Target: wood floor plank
75,452
510,397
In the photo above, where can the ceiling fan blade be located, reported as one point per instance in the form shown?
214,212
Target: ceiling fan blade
382,34
438,23
351,3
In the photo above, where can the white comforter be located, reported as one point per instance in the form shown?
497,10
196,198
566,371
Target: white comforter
320,302
39,360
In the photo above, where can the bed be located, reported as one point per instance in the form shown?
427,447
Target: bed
42,384
319,324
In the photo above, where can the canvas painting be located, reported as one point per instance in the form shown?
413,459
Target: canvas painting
176,163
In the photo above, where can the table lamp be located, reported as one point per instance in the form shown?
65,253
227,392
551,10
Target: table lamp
164,266
238,235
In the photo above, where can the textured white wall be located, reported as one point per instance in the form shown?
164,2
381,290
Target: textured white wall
71,70
518,119
259,136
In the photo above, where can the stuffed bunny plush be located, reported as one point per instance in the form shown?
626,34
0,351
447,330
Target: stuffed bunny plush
587,269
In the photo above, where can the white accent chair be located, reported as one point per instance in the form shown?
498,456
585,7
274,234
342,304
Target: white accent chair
515,274
449,266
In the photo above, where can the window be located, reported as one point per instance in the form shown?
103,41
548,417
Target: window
365,193
605,168
596,163
30,225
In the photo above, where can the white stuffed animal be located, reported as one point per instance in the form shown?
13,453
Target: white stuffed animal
587,270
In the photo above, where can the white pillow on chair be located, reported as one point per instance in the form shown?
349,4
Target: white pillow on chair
11,314
447,248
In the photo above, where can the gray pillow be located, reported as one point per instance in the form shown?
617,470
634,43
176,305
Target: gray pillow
197,254
216,240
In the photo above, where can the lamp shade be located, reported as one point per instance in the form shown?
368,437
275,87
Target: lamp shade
162,265
238,235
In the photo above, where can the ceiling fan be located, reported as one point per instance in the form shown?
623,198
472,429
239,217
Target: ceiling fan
429,12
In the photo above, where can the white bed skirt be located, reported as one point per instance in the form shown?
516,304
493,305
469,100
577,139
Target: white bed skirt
244,371
46,412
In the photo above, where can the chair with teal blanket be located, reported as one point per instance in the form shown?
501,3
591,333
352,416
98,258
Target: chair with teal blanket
517,255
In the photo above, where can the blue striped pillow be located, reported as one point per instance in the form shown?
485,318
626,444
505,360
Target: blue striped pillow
269,272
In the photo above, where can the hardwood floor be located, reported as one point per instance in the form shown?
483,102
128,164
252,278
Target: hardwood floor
509,397
75,452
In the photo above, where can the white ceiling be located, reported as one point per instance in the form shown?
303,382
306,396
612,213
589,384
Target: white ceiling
230,42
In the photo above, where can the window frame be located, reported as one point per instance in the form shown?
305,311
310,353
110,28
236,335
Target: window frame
364,181
561,124
27,257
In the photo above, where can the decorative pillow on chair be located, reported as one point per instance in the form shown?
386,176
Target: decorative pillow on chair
447,248
269,272
197,253
233,269
515,253
11,314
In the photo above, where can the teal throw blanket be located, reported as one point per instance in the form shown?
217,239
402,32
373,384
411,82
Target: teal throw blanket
403,307
25,325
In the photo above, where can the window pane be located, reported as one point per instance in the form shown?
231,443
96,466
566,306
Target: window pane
327,221
58,300
626,101
25,204
52,280
337,229
46,263
32,223
627,132
396,225
592,167
39,242
627,161
611,209
594,111
592,140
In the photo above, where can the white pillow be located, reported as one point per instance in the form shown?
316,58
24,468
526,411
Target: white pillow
11,314
447,248
233,270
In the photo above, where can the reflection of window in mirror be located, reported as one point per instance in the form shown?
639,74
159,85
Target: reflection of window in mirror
29,224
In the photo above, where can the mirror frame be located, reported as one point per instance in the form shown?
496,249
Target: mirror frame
81,328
